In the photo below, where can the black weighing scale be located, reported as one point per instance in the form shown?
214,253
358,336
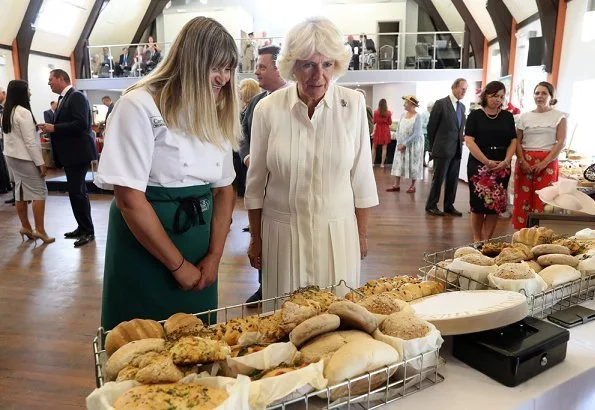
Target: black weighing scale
515,353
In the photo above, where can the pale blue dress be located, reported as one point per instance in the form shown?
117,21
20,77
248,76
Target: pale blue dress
409,164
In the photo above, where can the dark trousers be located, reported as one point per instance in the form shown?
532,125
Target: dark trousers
444,168
79,199
240,181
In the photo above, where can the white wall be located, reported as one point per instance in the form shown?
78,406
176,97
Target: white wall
118,22
234,19
450,15
7,68
576,82
494,62
411,25
392,93
10,26
39,72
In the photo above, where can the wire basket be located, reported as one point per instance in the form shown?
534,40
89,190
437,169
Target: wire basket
408,376
540,305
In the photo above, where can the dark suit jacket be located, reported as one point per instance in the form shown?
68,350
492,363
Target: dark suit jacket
109,111
244,149
73,142
444,134
48,116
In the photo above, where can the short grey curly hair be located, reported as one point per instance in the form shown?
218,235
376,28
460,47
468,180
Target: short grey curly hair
313,35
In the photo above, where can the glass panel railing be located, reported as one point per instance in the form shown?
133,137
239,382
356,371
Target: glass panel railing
376,51
125,60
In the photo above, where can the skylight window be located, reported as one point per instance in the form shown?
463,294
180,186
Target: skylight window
59,16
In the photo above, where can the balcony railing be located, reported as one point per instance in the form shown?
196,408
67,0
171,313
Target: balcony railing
379,51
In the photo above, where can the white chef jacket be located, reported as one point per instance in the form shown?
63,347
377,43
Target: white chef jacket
308,176
141,150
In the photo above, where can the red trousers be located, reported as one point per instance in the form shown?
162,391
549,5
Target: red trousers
525,185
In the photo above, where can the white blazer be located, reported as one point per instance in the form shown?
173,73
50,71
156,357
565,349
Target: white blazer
22,142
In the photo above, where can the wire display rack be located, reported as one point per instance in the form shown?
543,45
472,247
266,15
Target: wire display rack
540,305
401,379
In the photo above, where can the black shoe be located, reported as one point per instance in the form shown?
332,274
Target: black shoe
256,296
452,211
435,211
246,229
10,201
84,239
74,234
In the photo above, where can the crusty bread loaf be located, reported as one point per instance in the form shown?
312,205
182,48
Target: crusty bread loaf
549,248
556,275
514,271
465,250
477,259
406,327
123,356
533,236
323,346
574,246
384,305
493,249
510,255
182,324
135,329
440,272
313,327
534,265
558,259
354,316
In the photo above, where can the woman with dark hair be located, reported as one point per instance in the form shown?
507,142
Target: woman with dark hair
541,135
22,150
382,122
490,136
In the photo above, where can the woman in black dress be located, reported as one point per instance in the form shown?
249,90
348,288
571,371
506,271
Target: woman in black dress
490,136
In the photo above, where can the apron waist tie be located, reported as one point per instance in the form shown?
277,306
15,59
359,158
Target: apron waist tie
191,206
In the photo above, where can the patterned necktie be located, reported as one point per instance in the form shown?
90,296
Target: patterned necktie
459,113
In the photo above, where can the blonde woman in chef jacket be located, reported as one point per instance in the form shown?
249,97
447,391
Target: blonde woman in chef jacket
168,157
310,181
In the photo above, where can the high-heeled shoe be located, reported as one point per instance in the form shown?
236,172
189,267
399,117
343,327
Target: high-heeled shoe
26,232
43,236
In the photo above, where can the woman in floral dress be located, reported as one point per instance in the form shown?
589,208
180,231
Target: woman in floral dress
409,155
490,136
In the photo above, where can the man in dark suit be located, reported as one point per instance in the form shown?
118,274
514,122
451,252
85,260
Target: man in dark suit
123,63
107,101
48,115
356,51
269,80
445,135
74,148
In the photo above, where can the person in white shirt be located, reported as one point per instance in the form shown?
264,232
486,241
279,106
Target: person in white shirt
310,181
541,135
170,165
22,150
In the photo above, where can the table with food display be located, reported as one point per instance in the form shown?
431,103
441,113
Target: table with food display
469,332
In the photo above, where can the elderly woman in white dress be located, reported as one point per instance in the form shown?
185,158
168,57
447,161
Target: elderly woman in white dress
409,155
310,181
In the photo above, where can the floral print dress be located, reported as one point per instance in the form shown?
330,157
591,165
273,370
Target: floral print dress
493,136
409,164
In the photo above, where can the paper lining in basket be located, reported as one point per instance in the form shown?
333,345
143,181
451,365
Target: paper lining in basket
263,392
238,390
468,270
271,356
529,287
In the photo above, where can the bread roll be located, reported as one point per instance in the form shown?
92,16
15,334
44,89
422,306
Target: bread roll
586,264
182,324
574,246
383,305
493,249
548,248
353,359
323,346
442,274
189,396
514,271
533,236
131,330
556,275
534,265
517,277
557,259
354,316
293,314
313,327
123,356
406,327
466,250
477,259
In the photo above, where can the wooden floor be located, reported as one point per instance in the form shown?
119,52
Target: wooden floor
50,295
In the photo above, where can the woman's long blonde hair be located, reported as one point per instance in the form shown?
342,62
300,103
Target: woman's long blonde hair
181,86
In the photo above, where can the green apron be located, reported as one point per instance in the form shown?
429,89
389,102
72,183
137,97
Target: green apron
135,284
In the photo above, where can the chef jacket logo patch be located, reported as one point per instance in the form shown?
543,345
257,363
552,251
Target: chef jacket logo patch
204,205
157,122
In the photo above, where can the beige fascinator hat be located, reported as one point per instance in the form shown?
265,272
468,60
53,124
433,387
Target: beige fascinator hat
412,99
563,194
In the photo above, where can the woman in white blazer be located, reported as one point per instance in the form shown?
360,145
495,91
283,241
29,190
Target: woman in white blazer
310,181
22,150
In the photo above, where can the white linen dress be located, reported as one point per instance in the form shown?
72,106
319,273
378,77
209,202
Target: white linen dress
308,176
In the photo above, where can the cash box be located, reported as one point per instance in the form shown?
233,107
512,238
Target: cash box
513,354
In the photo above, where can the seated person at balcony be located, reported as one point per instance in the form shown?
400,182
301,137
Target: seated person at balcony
541,135
106,63
152,55
310,181
250,53
368,43
382,122
139,62
171,172
356,51
48,115
490,136
123,64
95,64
